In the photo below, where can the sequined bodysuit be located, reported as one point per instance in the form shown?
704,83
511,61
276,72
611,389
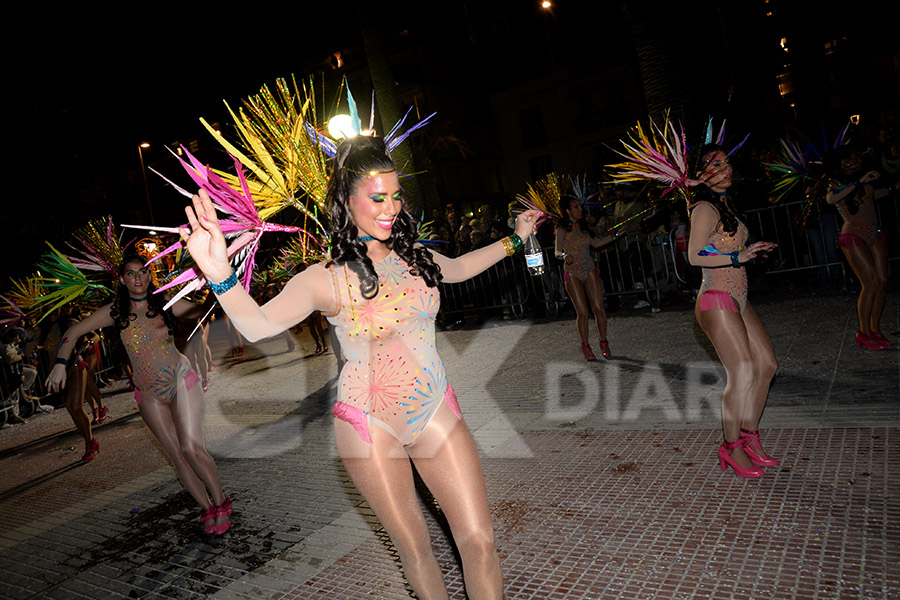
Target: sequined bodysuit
157,365
393,376
864,224
724,280
577,244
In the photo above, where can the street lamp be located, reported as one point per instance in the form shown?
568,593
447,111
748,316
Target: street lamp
141,148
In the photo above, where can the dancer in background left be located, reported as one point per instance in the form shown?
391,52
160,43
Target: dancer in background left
166,390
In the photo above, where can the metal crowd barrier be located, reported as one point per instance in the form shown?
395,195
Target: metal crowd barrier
502,286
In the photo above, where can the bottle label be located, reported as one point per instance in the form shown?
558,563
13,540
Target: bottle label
534,260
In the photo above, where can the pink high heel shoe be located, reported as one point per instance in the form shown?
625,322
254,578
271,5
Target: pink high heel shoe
588,353
868,342
725,460
604,349
223,509
879,337
753,449
209,515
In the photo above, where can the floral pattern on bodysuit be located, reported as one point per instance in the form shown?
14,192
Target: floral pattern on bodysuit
393,373
577,244
863,224
157,365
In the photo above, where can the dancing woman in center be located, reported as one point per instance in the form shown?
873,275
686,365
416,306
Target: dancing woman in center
379,292
718,244
574,240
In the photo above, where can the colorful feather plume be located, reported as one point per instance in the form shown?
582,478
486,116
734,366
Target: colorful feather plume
657,155
96,248
544,195
241,225
10,313
60,283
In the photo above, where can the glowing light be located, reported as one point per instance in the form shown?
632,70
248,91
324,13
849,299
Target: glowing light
145,144
546,5
854,119
340,127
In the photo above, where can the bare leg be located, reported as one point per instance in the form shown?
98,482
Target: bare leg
447,460
594,288
74,396
880,261
382,473
728,334
575,290
764,367
862,262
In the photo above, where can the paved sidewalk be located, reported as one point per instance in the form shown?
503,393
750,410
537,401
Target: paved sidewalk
602,477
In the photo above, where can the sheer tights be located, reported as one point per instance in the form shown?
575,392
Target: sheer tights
587,297
869,263
178,426
743,346
447,461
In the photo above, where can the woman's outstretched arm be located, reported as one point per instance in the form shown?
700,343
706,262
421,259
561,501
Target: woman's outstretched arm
305,292
99,319
472,263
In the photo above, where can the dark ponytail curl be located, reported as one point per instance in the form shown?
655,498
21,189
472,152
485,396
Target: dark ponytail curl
729,217
120,311
355,159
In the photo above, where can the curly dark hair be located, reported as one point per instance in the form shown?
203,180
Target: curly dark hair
565,202
355,158
833,160
120,310
728,216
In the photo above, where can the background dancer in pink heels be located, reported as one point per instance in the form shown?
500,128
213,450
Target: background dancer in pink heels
574,240
718,244
170,402
851,190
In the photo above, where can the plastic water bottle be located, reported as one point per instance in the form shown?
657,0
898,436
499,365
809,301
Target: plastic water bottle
534,257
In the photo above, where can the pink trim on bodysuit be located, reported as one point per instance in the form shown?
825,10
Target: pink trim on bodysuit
850,239
359,419
717,300
81,365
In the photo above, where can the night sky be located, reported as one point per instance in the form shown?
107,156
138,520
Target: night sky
87,89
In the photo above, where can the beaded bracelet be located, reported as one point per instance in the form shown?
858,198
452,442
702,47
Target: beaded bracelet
735,259
62,361
512,242
224,286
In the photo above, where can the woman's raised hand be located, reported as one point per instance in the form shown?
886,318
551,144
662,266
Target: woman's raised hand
204,239
525,222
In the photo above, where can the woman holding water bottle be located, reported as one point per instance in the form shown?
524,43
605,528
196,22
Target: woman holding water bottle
574,240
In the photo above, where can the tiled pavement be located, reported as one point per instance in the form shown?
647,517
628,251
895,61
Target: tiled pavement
602,477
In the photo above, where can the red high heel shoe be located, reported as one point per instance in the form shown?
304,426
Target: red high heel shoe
588,353
879,337
868,342
753,449
604,349
209,515
725,460
102,415
223,509
91,449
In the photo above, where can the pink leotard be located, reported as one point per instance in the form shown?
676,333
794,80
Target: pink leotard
393,376
864,224
156,363
577,244
723,286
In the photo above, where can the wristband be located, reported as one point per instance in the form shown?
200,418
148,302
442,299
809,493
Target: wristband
62,361
224,286
511,243
735,260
